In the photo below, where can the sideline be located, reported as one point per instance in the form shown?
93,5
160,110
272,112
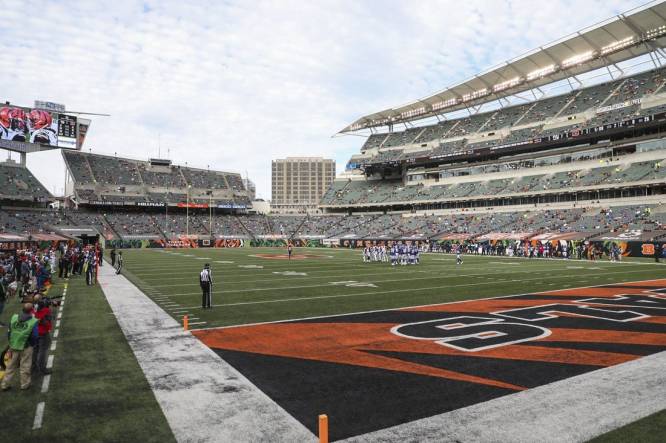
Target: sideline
203,398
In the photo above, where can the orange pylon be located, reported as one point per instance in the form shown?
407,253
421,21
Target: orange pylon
323,428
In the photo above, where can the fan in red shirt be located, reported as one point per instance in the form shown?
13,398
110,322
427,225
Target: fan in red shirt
42,313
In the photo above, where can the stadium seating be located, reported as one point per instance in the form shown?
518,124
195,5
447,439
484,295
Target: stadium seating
535,114
374,141
105,178
163,178
17,182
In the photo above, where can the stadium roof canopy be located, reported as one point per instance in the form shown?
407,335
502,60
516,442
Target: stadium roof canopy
634,33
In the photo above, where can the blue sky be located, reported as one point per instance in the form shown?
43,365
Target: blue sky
235,84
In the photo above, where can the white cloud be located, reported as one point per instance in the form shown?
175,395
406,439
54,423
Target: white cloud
235,84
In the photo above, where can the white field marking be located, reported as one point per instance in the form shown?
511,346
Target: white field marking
338,268
59,315
289,273
198,323
53,345
185,267
62,303
415,306
64,297
57,324
313,277
45,383
349,282
203,258
504,263
251,266
224,262
55,333
575,267
39,416
353,284
49,362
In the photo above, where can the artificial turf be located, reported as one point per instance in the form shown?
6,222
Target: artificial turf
97,390
249,288
99,393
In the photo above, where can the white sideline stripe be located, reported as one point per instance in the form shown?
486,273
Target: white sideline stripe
57,323
45,383
39,416
53,345
571,410
49,362
198,323
203,398
55,333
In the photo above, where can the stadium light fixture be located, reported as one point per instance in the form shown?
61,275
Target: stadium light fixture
475,94
577,59
507,84
617,45
413,112
656,32
444,104
541,72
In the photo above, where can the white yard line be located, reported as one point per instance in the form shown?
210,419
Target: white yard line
39,415
204,399
45,383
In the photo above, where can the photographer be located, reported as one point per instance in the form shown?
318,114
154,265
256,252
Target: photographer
43,315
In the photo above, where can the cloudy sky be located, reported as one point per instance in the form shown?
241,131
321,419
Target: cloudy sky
234,84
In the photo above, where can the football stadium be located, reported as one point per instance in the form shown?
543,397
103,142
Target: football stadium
488,266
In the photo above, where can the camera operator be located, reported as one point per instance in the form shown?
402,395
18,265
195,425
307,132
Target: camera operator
43,315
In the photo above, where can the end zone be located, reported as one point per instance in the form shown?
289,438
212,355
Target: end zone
396,366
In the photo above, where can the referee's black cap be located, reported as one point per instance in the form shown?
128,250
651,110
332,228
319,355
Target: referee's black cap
207,265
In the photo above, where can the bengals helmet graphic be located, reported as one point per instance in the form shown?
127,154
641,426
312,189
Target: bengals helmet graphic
13,124
39,119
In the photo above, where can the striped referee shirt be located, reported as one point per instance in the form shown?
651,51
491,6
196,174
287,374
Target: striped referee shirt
205,276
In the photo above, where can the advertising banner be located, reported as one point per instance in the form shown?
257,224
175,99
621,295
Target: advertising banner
193,205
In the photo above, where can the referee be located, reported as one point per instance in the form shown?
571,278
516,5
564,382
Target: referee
206,283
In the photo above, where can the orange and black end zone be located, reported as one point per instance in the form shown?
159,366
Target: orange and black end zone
375,370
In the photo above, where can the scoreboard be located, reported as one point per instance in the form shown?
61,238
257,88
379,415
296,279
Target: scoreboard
66,131
66,126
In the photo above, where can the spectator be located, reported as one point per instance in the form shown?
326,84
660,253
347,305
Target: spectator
23,336
3,296
43,315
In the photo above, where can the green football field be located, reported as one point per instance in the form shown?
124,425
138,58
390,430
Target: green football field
259,285
98,389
